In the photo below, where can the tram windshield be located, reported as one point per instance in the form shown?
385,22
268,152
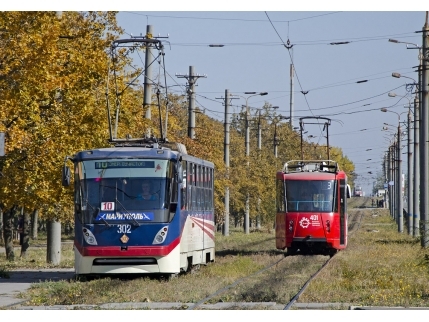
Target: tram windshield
131,191
310,195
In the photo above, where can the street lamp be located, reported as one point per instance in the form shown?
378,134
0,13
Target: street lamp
247,143
399,173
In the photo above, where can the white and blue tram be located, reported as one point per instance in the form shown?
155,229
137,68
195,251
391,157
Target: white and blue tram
119,232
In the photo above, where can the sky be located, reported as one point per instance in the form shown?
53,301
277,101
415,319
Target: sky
328,78
347,82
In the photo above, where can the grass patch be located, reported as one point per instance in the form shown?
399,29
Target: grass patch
36,258
380,267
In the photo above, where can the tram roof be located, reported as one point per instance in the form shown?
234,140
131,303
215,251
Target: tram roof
136,152
311,166
308,176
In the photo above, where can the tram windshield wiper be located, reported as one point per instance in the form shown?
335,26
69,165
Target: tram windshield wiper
128,215
96,213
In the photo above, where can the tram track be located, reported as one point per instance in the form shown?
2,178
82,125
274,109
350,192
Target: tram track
355,220
271,266
224,289
353,226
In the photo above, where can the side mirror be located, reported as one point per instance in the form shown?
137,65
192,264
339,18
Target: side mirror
349,191
66,176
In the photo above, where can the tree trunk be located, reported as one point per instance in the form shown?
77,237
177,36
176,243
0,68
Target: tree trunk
34,223
67,228
8,225
25,238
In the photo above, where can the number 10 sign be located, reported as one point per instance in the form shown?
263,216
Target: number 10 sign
107,206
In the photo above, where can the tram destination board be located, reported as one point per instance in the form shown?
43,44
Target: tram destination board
124,164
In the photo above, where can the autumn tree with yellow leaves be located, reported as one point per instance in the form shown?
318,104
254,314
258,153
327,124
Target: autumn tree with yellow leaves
52,81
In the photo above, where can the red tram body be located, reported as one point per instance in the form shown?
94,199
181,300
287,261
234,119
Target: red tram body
311,205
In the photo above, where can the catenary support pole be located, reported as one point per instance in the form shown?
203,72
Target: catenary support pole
410,168
226,156
147,93
416,181
399,183
424,177
291,95
192,79
259,131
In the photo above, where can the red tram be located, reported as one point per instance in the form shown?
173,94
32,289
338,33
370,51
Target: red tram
311,207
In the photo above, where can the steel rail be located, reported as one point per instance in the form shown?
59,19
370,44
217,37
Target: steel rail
232,285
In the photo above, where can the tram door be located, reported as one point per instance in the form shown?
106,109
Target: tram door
343,212
280,214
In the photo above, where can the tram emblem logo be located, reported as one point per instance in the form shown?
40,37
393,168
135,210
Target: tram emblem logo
124,239
304,222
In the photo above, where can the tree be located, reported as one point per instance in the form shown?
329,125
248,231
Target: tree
51,83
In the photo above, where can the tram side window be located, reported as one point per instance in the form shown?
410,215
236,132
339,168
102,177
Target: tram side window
174,185
194,198
198,198
190,183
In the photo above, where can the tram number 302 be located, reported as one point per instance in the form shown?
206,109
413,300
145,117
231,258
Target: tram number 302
124,229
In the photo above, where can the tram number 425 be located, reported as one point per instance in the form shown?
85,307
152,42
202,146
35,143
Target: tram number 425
124,229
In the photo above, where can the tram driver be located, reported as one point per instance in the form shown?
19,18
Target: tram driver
146,193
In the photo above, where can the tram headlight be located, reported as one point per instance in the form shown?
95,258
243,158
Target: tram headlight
291,225
89,236
160,236
328,226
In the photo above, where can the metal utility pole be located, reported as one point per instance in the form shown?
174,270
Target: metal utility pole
424,177
416,181
386,179
226,156
259,131
192,79
292,72
391,194
275,140
399,183
147,98
410,175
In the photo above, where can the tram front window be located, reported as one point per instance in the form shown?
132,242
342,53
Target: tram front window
123,194
310,196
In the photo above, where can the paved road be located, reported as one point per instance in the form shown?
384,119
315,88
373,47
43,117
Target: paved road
21,280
